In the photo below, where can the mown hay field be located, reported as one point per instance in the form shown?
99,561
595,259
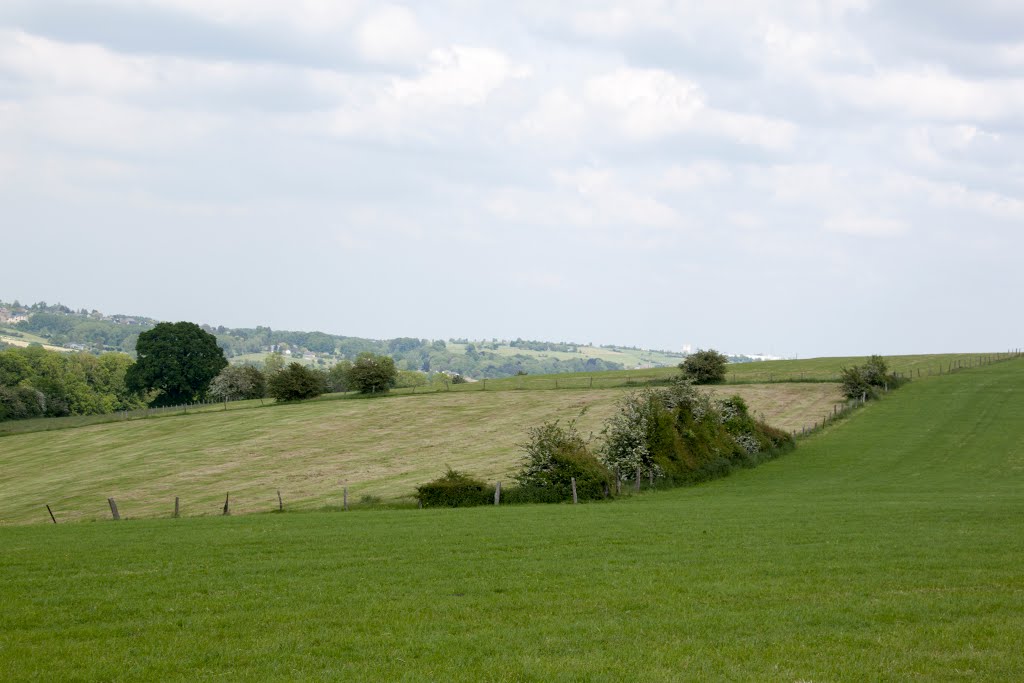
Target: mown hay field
379,448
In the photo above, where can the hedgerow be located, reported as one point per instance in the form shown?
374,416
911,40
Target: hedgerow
684,436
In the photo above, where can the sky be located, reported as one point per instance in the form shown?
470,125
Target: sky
800,178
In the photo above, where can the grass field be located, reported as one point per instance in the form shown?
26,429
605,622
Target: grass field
888,547
806,370
379,447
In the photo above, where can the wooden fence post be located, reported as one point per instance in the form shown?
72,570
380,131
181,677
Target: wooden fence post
280,503
497,493
175,507
573,482
618,483
638,478
227,509
51,514
650,478
344,498
113,508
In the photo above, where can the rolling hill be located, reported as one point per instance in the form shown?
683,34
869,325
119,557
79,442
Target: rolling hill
887,547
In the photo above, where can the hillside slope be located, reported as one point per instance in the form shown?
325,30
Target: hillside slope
887,548
380,447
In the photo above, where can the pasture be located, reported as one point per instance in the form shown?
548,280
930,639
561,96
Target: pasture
379,448
887,547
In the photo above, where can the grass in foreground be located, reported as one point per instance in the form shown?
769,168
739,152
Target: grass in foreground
887,548
375,447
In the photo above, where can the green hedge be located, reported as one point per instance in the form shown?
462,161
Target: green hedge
455,490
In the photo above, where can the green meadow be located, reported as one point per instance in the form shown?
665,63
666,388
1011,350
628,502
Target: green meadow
886,547
921,366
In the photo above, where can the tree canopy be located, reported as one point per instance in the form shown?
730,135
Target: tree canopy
178,360
297,383
372,374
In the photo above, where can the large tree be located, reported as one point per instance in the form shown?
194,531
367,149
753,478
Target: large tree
177,359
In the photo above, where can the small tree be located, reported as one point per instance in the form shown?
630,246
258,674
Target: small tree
705,367
554,456
296,383
867,379
373,374
237,383
338,376
272,364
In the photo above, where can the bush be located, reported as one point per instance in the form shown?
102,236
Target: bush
19,403
455,489
296,383
705,367
554,456
866,380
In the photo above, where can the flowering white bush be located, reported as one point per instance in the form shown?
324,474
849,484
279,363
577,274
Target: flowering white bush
626,436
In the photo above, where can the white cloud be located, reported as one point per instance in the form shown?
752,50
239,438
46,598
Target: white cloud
93,122
51,64
865,226
798,183
748,129
695,176
646,103
319,17
391,35
929,93
460,75
951,195
557,117
605,199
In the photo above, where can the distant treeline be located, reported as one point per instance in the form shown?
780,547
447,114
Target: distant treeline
94,332
35,382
